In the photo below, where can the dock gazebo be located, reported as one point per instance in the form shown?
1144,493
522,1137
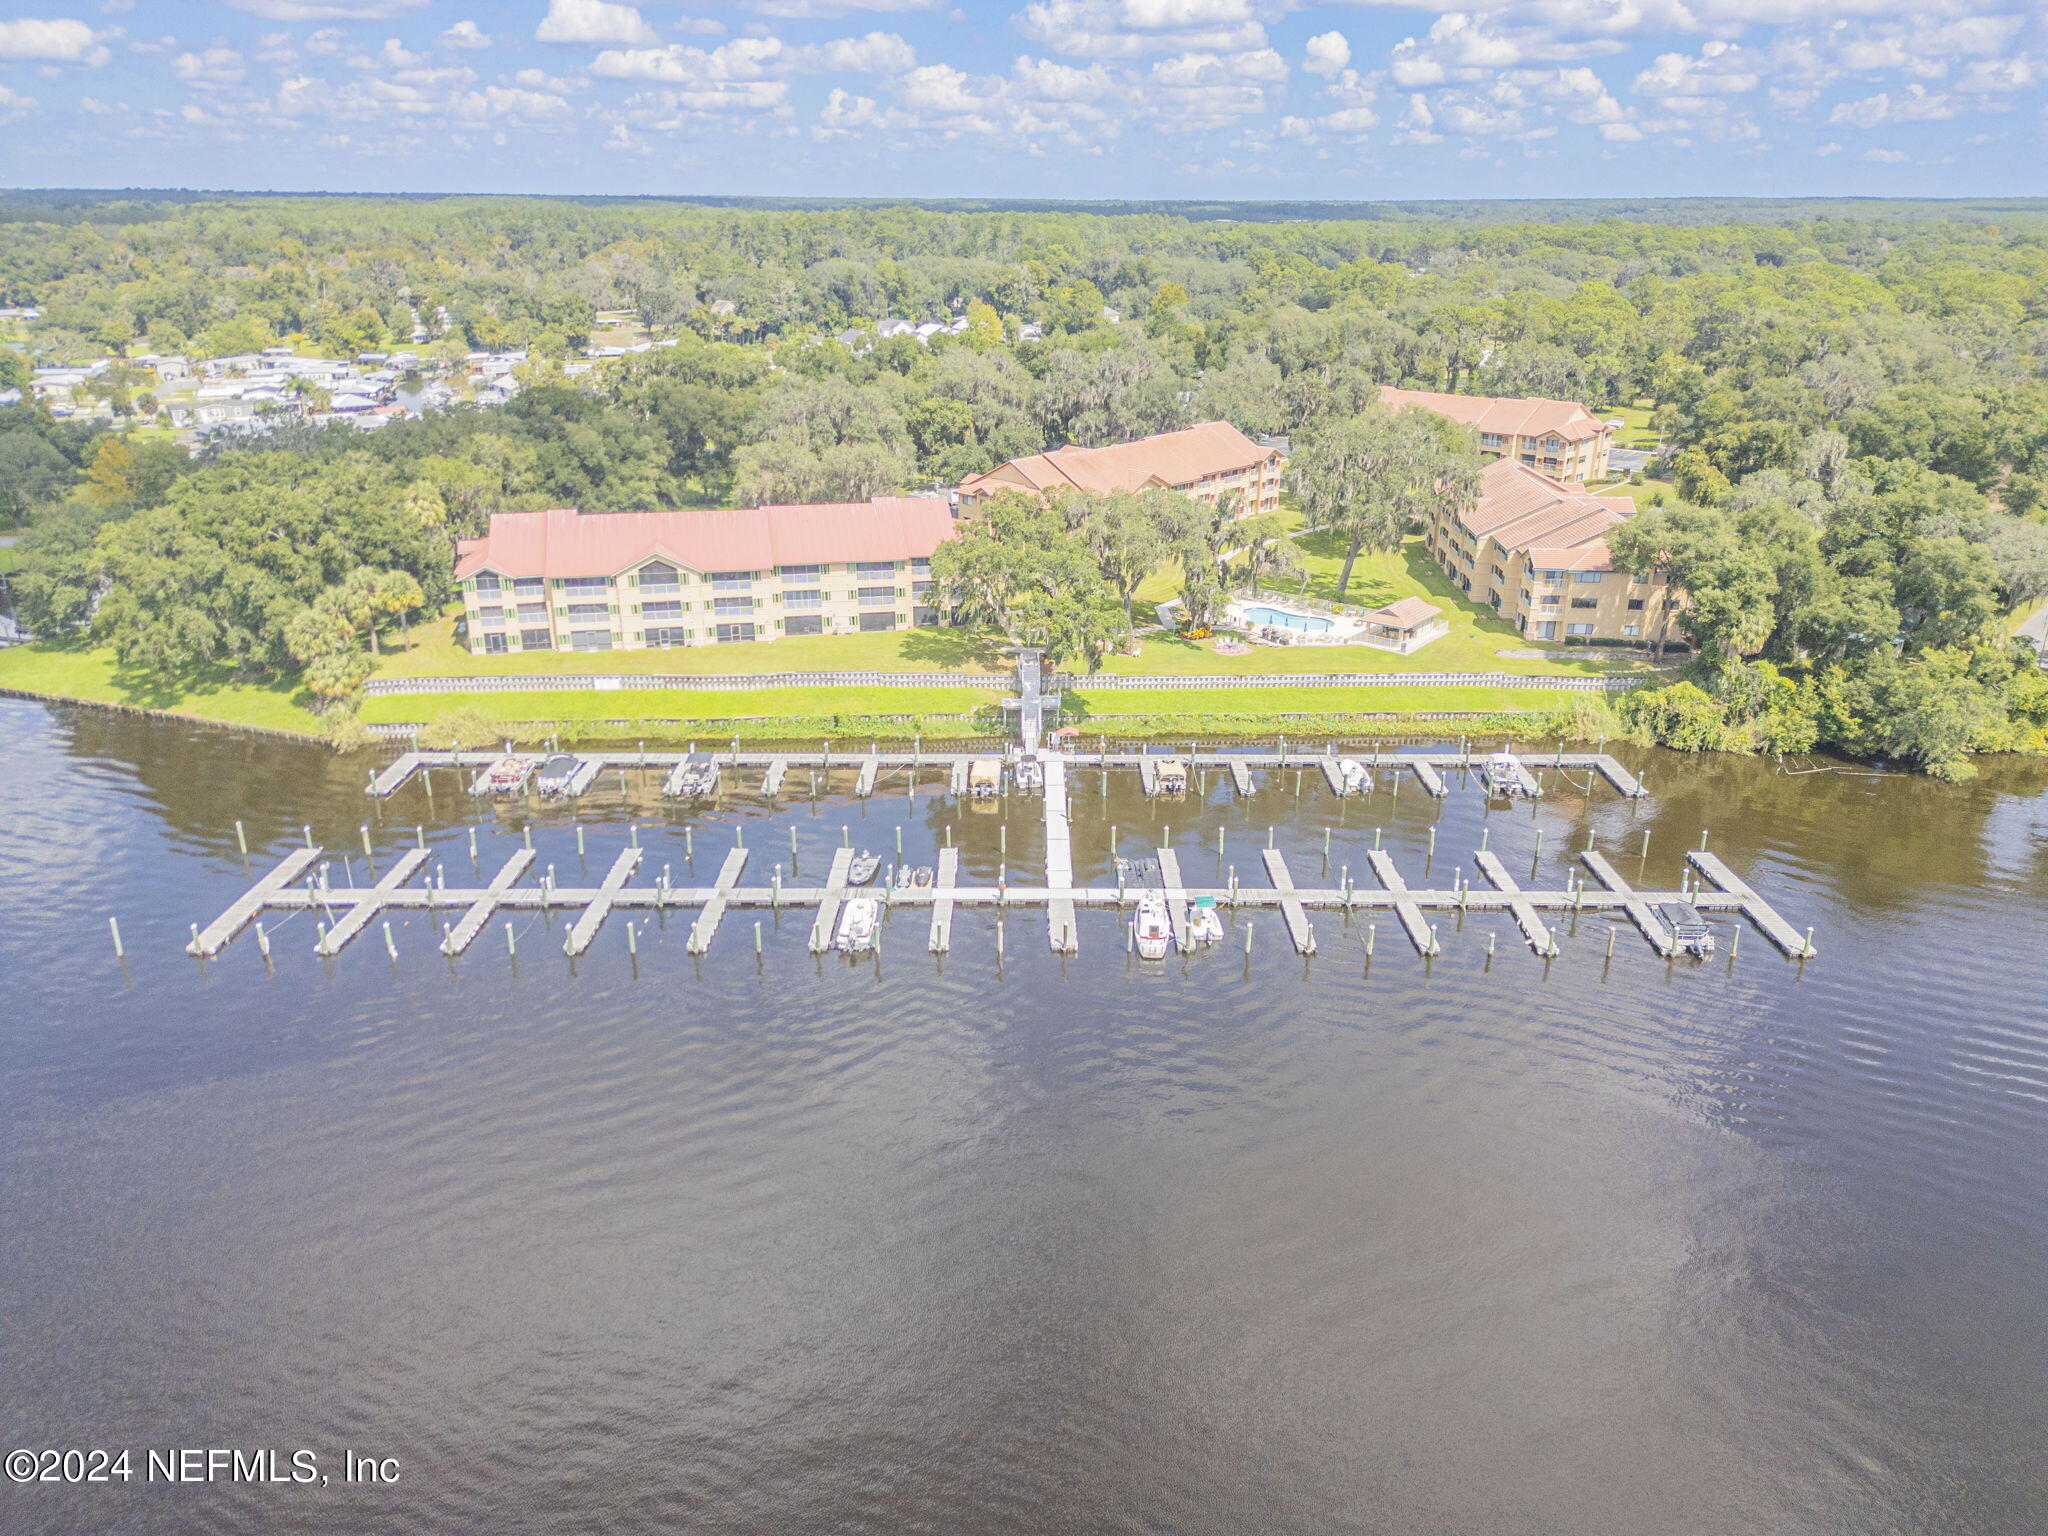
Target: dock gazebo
1406,625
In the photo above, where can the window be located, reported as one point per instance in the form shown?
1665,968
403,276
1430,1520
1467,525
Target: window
921,589
920,567
1499,574
732,581
924,617
530,586
486,583
1671,605
491,618
1549,600
1585,602
1547,630
729,633
1587,575
1632,630
873,621
668,636
803,599
1553,576
1578,629
535,640
1489,439
533,613
585,613
494,645
874,570
660,610
877,597
1635,603
588,586
725,606
800,572
591,640
659,576
808,624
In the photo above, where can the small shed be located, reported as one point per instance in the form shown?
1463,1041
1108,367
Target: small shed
1406,625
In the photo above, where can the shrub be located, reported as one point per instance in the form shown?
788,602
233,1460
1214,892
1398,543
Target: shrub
463,730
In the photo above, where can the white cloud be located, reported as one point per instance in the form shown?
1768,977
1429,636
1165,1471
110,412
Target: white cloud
878,53
1325,54
57,40
464,34
328,40
744,58
1124,29
1720,69
593,23
541,80
812,9
1887,156
326,10
14,104
1044,80
1916,104
217,66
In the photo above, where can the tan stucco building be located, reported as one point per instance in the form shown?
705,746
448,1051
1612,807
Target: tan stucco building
1559,437
602,581
1534,549
1205,461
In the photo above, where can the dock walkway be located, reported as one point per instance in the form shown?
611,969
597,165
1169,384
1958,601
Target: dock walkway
1534,929
480,911
827,921
1241,777
216,935
1299,929
1406,907
705,929
1176,899
592,917
1061,930
942,900
1632,903
369,903
1754,907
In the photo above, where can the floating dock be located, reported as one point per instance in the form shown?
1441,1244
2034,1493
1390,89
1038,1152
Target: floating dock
1534,929
1176,899
705,929
942,900
480,911
1241,778
827,921
1299,929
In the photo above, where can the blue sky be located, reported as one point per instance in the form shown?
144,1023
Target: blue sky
1031,98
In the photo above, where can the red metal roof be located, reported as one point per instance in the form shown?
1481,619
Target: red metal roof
565,542
1567,419
1170,458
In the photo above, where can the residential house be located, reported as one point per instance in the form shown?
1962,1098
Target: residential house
1558,437
1205,462
603,581
1534,549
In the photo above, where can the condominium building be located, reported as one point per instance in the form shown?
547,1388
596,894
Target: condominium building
1534,549
1559,437
1205,461
601,581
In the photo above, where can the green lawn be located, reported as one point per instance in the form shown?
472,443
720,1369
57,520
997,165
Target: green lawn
91,673
764,704
1083,705
1640,494
9,560
1637,431
434,653
1477,634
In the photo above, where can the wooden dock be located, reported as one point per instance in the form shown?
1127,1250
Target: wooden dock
216,935
1333,776
1420,934
942,900
1241,777
1148,776
864,786
1754,907
1426,775
1061,930
386,784
957,781
480,911
1523,777
1534,929
771,781
1176,899
705,929
1299,929
827,920
1637,908
599,907
672,786
369,903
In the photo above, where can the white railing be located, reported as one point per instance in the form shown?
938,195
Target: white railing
570,682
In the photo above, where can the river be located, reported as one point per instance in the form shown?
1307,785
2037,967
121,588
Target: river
1081,1244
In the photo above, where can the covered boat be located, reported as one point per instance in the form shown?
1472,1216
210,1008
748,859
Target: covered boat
1688,930
863,868
1502,775
1154,932
1205,923
858,922
557,774
1173,776
984,778
1029,773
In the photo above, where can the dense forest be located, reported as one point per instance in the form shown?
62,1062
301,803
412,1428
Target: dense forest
1855,408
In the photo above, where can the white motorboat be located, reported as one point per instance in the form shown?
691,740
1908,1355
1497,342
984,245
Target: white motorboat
1354,776
858,921
507,776
1502,775
1205,923
1154,933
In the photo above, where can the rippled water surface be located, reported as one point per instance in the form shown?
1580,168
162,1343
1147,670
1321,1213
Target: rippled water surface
1084,1245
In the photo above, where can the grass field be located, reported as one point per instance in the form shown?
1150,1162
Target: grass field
773,705
434,653
92,674
1477,636
1084,706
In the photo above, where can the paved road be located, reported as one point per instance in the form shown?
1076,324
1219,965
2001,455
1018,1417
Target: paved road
2036,628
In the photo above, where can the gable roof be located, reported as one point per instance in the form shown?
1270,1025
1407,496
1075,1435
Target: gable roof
1166,458
565,542
1555,523
1409,612
1531,417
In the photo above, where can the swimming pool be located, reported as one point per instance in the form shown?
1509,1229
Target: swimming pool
1284,618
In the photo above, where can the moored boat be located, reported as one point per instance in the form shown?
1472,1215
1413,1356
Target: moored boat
863,868
506,776
858,921
1154,932
1205,923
